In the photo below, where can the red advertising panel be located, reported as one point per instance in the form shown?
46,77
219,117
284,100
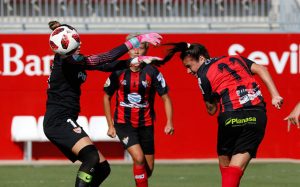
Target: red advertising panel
24,68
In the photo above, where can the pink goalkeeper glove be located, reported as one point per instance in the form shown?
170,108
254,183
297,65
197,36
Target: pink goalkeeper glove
146,59
152,38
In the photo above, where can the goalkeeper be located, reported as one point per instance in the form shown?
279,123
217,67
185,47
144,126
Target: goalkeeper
63,106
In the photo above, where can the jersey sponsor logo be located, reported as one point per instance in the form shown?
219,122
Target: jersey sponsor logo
125,140
107,83
161,79
82,76
234,122
142,176
246,95
134,105
134,99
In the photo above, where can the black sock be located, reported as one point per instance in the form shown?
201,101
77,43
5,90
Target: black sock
90,158
102,170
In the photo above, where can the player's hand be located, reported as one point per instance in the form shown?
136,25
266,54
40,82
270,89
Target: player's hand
277,101
146,59
111,132
292,119
169,129
152,38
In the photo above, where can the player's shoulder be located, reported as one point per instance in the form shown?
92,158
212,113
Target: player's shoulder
237,56
226,58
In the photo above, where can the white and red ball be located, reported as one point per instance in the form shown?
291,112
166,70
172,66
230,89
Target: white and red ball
64,40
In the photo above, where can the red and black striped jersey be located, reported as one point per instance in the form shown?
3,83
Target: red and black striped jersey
135,94
229,80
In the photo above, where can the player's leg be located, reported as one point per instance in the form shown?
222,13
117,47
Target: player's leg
227,136
94,168
240,160
128,136
94,165
149,164
146,139
87,153
224,160
232,173
102,171
139,166
250,134
74,143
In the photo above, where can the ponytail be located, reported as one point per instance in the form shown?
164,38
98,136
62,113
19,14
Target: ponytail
177,47
193,50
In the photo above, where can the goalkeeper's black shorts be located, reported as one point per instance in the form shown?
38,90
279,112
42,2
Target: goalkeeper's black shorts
241,131
63,131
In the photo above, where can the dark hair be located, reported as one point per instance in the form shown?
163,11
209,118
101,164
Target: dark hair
54,24
195,50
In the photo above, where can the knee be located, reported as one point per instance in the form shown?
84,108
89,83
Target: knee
89,154
139,160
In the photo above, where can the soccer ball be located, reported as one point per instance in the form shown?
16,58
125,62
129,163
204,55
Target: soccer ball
64,40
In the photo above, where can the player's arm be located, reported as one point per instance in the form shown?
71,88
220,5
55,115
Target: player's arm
122,64
98,59
264,74
110,67
114,54
107,110
110,86
169,128
162,90
211,107
210,100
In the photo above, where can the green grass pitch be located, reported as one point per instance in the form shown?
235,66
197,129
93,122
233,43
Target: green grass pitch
165,175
